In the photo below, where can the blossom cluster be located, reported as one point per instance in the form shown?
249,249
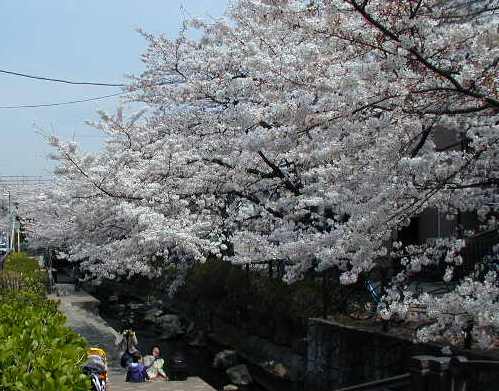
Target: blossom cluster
303,131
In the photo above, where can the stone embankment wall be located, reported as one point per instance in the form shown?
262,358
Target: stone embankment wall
340,355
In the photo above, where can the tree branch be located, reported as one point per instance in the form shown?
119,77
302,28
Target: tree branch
278,172
419,57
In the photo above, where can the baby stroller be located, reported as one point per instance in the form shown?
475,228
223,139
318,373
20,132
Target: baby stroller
96,368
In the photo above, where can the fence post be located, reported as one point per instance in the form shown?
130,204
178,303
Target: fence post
439,374
419,369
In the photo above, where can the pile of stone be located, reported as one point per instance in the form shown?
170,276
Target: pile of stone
169,324
238,374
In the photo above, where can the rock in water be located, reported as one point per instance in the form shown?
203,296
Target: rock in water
170,325
225,359
280,370
239,375
136,306
152,315
231,387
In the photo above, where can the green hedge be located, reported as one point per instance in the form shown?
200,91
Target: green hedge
26,268
37,351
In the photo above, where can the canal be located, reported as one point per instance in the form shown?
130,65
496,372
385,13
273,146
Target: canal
198,359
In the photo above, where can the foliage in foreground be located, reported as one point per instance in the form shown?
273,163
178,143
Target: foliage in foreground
21,271
38,352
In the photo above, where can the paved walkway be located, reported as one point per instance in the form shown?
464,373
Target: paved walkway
99,334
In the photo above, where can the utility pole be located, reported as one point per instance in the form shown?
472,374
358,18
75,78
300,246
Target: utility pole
12,232
13,219
8,232
16,226
10,238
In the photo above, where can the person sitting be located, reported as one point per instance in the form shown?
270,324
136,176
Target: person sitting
136,372
154,364
127,344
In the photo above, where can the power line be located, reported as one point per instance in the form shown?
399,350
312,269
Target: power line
62,103
62,80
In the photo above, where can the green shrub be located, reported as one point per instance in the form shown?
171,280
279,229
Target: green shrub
306,299
20,264
253,298
37,351
208,280
11,281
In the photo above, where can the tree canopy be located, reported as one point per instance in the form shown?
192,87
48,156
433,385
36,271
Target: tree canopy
304,131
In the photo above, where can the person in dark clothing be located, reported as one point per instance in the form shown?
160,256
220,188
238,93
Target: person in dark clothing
136,371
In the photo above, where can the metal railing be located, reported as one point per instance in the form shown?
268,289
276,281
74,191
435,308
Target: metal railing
431,373
400,382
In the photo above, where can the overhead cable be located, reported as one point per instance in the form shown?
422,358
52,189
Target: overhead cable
62,103
62,80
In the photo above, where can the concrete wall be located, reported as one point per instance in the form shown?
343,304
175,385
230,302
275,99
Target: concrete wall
339,355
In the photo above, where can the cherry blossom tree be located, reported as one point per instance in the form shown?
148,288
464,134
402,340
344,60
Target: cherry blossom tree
303,131
104,213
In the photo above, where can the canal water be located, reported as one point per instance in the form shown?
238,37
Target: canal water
198,359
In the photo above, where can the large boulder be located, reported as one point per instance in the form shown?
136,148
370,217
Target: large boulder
276,368
136,306
152,315
239,375
225,359
170,325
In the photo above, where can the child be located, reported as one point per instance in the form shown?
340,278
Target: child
154,365
136,372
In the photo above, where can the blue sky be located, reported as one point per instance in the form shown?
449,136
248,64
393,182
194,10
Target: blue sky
90,40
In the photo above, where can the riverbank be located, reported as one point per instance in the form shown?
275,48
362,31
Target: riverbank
75,306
